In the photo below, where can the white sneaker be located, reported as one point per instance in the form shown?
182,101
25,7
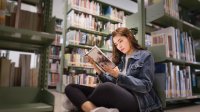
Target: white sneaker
68,105
103,109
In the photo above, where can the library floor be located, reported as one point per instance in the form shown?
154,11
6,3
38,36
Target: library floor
191,108
61,98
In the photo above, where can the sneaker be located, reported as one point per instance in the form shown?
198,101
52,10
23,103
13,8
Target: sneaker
103,109
69,106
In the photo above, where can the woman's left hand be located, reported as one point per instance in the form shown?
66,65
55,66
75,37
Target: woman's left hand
112,71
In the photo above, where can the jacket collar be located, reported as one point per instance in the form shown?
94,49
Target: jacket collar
136,55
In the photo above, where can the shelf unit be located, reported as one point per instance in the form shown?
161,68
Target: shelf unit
161,58
156,14
161,18
25,40
54,55
68,26
26,98
32,99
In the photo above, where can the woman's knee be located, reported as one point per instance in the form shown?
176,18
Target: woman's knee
107,86
68,88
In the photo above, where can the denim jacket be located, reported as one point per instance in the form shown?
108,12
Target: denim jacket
138,79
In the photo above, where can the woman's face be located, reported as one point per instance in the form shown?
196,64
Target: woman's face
122,44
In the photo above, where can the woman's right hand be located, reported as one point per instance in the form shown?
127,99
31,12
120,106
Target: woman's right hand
91,61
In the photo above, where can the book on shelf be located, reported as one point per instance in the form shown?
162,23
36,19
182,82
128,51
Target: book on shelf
21,76
82,79
178,44
5,65
99,58
178,79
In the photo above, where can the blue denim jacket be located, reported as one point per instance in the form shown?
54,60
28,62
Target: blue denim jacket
138,79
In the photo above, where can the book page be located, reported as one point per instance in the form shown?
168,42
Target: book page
100,58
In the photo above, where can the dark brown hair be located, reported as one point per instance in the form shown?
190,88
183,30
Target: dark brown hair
122,31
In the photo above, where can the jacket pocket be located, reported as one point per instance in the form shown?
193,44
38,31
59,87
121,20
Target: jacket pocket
137,65
135,68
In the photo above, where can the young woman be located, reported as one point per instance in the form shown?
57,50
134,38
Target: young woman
128,87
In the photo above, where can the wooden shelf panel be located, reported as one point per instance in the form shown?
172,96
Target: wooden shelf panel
23,40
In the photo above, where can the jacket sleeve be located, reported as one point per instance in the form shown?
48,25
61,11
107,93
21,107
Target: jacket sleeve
144,82
106,78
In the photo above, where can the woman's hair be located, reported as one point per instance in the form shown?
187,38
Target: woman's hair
122,31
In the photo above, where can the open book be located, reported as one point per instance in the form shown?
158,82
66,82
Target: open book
100,58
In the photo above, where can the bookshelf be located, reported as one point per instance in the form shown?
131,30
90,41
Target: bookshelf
26,96
84,28
18,98
160,17
170,84
54,55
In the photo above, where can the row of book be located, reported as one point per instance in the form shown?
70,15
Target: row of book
23,75
3,4
54,67
147,40
179,45
91,23
53,79
59,25
171,7
57,40
82,79
93,7
76,37
77,58
27,19
178,79
2,11
54,51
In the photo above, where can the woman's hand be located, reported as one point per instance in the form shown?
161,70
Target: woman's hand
112,71
91,61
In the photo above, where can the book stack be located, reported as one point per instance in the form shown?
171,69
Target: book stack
179,45
3,12
23,76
